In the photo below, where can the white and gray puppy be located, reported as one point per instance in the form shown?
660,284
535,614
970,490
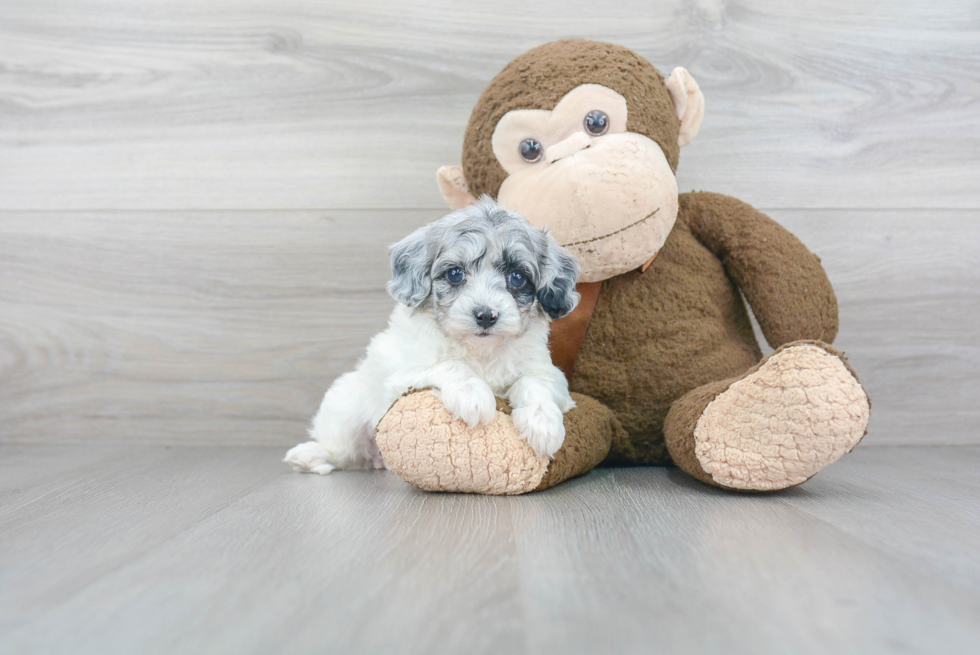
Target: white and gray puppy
476,292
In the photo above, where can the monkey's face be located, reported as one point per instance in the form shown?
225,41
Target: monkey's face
607,194
582,137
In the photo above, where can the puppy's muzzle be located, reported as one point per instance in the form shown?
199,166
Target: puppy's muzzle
485,317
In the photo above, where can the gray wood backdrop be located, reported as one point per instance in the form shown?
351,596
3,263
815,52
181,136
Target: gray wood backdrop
196,195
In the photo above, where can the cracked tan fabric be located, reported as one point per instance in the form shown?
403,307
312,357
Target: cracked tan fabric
448,456
491,459
786,419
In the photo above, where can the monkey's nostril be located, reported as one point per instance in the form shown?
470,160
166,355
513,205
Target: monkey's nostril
485,317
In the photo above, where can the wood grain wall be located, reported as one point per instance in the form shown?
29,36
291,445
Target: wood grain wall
195,196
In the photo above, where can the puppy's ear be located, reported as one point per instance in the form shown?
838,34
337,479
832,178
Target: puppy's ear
411,268
559,273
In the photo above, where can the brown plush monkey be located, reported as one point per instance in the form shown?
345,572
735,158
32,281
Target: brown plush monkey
584,137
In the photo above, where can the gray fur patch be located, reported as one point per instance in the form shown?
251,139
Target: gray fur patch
488,243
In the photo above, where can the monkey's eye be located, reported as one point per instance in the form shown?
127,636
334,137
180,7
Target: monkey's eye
531,150
455,276
516,280
596,122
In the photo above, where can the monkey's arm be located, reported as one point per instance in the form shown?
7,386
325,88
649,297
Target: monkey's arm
783,281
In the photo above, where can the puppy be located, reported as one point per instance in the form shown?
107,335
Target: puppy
476,293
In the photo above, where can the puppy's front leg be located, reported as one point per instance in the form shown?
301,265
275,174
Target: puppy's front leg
465,395
537,414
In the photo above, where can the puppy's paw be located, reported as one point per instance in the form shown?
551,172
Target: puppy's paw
310,457
470,400
565,403
542,427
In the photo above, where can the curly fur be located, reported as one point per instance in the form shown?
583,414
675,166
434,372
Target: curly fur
435,337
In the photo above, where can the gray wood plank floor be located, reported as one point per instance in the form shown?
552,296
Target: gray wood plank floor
153,549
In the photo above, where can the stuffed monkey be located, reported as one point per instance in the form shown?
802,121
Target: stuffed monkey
583,137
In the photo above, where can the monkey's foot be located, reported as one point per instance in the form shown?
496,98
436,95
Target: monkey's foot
787,418
422,443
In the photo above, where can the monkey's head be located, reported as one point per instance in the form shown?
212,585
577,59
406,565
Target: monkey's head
582,137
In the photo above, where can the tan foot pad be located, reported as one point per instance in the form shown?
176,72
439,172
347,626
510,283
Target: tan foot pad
422,443
800,411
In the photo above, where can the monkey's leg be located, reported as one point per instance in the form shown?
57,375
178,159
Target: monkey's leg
421,442
784,420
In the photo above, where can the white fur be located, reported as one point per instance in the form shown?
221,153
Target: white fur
476,290
415,352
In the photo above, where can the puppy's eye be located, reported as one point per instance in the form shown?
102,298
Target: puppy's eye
531,150
516,280
455,276
596,122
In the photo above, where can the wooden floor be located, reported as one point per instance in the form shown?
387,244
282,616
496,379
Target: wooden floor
195,204
152,549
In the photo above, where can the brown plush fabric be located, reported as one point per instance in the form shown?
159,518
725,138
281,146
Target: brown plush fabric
680,423
661,345
590,429
655,336
540,77
646,267
678,335
782,280
567,333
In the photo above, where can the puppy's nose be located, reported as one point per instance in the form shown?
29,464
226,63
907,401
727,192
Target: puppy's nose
485,317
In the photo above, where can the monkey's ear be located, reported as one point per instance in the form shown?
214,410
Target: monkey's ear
688,101
452,184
